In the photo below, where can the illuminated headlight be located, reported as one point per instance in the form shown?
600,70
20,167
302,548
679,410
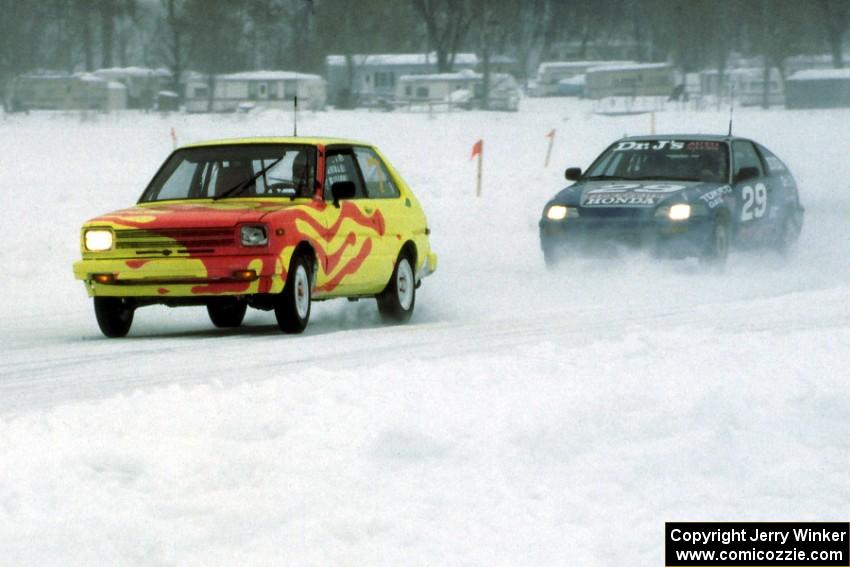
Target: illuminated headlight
254,236
679,212
560,212
98,240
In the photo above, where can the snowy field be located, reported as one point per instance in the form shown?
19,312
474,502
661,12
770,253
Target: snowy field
524,417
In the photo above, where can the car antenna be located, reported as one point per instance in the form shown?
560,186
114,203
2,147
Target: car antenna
295,109
731,106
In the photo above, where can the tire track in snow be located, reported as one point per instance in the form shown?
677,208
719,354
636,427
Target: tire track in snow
45,374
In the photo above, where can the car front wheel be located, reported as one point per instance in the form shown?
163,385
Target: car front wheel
717,250
225,314
292,309
114,316
396,302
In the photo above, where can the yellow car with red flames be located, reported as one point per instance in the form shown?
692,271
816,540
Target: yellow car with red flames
268,223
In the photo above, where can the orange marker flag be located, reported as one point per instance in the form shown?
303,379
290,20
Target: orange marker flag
173,137
478,150
551,136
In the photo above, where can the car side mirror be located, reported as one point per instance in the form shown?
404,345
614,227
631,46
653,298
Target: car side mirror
746,173
573,173
343,190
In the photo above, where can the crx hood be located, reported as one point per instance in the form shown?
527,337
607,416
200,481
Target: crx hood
633,194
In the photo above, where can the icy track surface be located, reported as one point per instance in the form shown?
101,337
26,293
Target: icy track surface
523,418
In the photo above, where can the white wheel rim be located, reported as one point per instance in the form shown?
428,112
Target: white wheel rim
302,292
404,284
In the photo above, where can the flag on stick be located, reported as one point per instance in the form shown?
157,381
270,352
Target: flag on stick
478,150
551,136
173,137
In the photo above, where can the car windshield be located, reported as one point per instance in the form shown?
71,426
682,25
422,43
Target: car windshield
224,172
679,160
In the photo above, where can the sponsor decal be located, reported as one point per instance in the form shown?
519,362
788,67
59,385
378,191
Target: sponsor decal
629,194
649,146
704,145
628,199
714,198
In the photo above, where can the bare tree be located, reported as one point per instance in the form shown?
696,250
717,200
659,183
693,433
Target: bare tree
174,47
447,23
835,16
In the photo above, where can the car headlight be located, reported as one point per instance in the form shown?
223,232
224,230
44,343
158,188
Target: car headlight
681,211
98,239
560,212
253,235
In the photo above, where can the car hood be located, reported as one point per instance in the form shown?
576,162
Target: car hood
196,214
632,194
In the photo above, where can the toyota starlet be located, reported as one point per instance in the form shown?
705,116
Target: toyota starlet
271,223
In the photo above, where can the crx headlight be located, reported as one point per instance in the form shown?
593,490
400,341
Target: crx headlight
98,239
560,212
677,212
682,211
254,235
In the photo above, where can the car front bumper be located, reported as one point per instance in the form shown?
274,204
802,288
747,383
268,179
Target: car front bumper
662,237
181,277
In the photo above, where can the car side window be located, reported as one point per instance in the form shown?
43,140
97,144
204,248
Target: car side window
379,184
340,166
774,164
745,155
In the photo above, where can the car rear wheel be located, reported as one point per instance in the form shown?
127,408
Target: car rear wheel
114,316
789,234
396,302
292,309
717,250
227,313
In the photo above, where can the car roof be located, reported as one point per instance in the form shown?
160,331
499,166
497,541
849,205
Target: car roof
694,137
304,141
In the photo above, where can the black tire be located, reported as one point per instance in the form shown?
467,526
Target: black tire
789,234
292,308
717,250
227,313
551,258
114,316
396,302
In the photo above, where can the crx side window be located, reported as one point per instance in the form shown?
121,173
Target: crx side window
745,155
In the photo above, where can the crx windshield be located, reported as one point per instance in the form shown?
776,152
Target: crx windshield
673,160
238,171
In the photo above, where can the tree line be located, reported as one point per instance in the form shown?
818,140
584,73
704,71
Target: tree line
217,36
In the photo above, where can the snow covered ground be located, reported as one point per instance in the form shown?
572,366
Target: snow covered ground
523,418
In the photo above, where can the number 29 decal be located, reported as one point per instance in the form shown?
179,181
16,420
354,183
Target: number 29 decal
755,202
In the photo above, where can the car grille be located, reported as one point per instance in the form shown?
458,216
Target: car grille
613,212
179,241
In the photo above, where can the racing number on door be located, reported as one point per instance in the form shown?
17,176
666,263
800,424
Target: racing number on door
755,202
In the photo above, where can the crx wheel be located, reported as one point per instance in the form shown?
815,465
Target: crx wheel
396,302
292,309
114,316
551,257
788,235
717,250
227,313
